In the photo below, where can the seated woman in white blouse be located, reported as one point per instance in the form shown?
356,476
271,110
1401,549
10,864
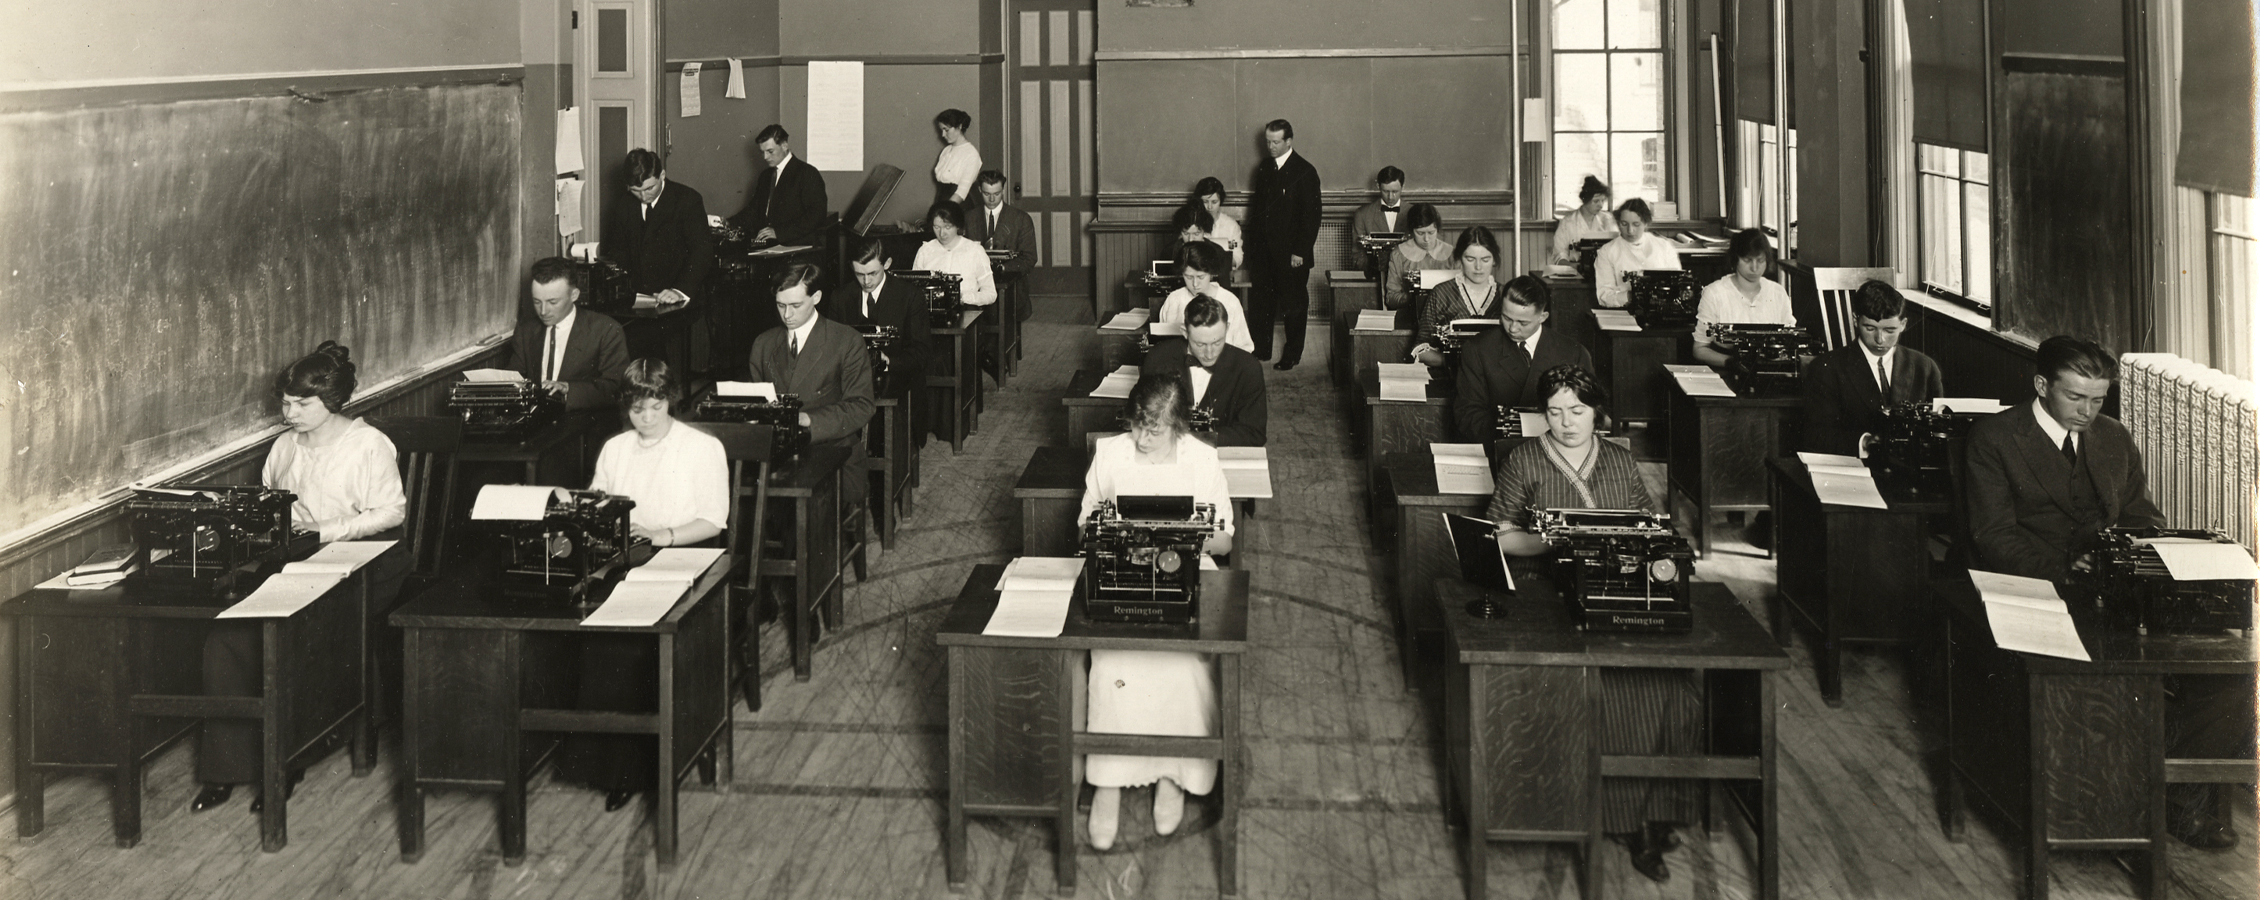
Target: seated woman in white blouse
1202,267
345,475
1226,232
1143,691
950,252
679,478
959,164
1589,221
1634,250
1746,297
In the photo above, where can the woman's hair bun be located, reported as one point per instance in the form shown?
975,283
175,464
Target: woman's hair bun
336,351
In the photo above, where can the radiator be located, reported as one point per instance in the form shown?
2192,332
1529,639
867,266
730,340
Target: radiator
2199,432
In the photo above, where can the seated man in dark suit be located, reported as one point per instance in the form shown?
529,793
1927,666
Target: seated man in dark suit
1501,368
823,363
575,353
788,202
1382,215
1224,382
877,299
2044,477
1848,388
997,225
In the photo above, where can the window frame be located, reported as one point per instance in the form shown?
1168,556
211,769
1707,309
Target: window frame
1971,174
1667,131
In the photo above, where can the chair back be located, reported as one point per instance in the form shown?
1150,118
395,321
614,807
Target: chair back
747,447
1822,298
425,445
1091,441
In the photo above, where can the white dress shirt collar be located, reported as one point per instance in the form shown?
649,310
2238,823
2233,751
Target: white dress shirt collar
1280,161
800,335
1889,359
2049,426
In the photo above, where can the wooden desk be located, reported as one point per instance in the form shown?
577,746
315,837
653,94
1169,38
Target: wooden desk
893,460
1050,492
1350,290
806,492
1085,413
1005,325
106,680
665,332
2073,754
1631,365
466,715
1357,351
1409,516
1523,716
1396,426
1118,348
1574,302
1013,737
955,385
1856,575
1718,448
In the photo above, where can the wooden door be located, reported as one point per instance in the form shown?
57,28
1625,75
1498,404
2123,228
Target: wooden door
1049,87
616,85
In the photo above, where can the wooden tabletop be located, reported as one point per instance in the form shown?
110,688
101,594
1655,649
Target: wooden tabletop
1222,625
1902,498
1439,391
965,320
1537,631
1736,400
2115,649
801,477
141,598
471,598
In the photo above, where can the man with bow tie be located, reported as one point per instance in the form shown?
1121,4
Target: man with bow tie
1224,381
1385,215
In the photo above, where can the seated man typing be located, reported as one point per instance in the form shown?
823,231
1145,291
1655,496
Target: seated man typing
1848,388
1502,367
576,353
1224,381
823,363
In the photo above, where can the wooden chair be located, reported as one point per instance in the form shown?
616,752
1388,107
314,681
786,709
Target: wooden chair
747,448
1822,298
425,443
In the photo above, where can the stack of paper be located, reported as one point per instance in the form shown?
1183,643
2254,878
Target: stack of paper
1404,381
1375,320
1166,329
1967,405
1615,320
2028,616
1117,384
1461,468
650,590
1128,320
1842,480
1247,472
1699,381
1033,596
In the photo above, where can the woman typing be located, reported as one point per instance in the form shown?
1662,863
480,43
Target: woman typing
1589,221
1473,292
950,252
1426,250
1200,265
1634,250
1745,297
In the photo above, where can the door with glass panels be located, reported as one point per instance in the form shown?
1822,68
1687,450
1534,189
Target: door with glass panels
616,85
1053,176
1609,88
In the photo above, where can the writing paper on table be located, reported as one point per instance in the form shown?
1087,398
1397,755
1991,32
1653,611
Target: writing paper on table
2028,616
2206,561
683,564
1461,468
282,594
1041,573
637,604
340,557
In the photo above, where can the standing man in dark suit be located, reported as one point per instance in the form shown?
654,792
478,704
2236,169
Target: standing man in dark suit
575,353
1848,388
1502,367
661,238
997,225
823,363
1224,382
1283,208
879,300
788,202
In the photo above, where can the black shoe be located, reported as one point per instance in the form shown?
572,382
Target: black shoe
2207,836
1647,858
1284,364
1663,836
1264,354
212,795
290,787
613,800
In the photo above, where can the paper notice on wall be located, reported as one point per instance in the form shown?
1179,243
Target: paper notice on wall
568,207
568,140
735,90
835,116
1535,124
690,88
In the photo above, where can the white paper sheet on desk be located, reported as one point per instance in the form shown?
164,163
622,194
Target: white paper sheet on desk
637,604
762,389
1710,385
1844,471
1829,459
2037,631
489,375
1557,270
1997,587
1243,457
1166,329
1128,320
1375,320
1461,468
675,564
1615,320
1404,390
1430,278
1172,480
1038,614
2205,562
779,250
62,582
340,557
1041,573
282,594
1247,472
1972,405
514,502
1848,490
1117,384
1413,372
1689,369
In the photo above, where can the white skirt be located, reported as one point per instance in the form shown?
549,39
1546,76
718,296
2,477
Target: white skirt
1147,692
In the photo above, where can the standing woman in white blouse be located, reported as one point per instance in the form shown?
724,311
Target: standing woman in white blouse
959,166
950,252
1591,220
1635,250
1226,230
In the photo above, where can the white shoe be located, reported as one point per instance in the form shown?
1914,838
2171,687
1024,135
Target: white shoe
1169,806
1106,817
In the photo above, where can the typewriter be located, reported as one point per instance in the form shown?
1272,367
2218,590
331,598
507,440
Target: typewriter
1912,445
503,412
1584,251
1416,295
1377,247
1510,420
1456,335
997,256
605,287
579,540
733,251
208,533
1161,277
1621,570
942,293
1204,419
1764,360
879,340
788,439
2134,590
1661,298
1142,559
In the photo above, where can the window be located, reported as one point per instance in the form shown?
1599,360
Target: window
1953,203
1758,179
2231,252
1609,98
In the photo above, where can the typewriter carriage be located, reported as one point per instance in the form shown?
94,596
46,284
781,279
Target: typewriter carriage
503,411
2135,591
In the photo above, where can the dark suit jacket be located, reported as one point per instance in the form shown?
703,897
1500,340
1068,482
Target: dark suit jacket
796,210
831,376
1842,402
1235,394
901,306
672,248
2020,502
1016,230
1494,373
592,363
1369,220
1283,210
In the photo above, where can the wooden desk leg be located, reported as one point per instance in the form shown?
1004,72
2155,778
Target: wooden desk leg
31,786
835,590
2156,868
803,612
1228,819
1769,809
1589,861
1953,818
363,742
274,766
953,834
1478,779
2036,808
409,799
1069,668
512,828
663,824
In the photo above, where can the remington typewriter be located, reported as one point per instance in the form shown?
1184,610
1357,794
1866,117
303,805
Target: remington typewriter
1661,298
2134,589
1377,247
1142,558
1912,445
1161,277
1621,570
878,339
998,257
503,412
1510,420
580,539
1456,335
1584,251
1763,359
942,293
208,533
605,287
788,439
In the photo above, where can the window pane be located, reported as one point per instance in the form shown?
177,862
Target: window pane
1635,24
1576,156
1636,166
1974,167
1581,92
1577,24
1977,233
612,40
1636,91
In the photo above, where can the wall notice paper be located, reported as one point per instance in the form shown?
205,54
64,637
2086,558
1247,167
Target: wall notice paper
492,375
735,90
568,207
675,564
339,558
637,604
1461,468
1041,573
1247,472
1403,381
690,88
1967,405
766,390
1376,320
282,594
2206,562
835,116
514,502
569,140
1615,320
1117,384
1128,320
2028,616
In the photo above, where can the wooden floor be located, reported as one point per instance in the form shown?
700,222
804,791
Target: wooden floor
840,780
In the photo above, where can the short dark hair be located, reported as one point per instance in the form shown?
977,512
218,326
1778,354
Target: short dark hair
1638,207
870,250
1191,215
1388,174
1203,256
2064,353
326,373
1210,185
1877,300
1476,235
1587,388
1530,290
1285,128
649,379
947,212
1747,243
809,275
954,118
774,134
990,176
1418,216
1158,398
1591,189
551,268
1204,311
644,165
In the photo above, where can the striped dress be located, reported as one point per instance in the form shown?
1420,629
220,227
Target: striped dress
1644,711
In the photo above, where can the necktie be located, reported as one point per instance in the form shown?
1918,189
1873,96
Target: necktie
777,178
794,339
2071,454
867,303
1883,379
549,367
647,212
992,232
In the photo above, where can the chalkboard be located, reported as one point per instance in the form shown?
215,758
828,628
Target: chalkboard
161,262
